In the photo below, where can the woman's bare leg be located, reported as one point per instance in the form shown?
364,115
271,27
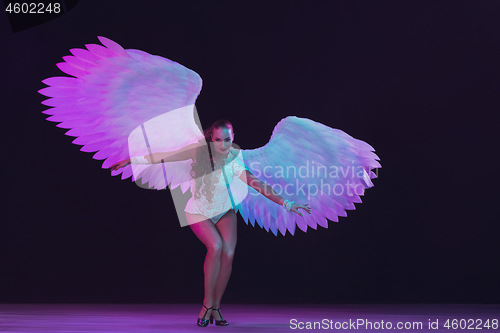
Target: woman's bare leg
209,236
227,230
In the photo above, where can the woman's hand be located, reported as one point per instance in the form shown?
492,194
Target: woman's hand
296,206
120,164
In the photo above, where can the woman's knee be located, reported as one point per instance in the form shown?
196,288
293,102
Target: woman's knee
215,248
227,253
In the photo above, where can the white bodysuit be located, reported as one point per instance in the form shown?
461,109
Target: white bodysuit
221,202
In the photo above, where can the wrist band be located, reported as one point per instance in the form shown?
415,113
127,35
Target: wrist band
139,160
287,204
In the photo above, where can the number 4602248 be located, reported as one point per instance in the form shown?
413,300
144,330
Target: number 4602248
33,8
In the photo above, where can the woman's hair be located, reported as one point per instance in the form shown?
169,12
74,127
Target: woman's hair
204,161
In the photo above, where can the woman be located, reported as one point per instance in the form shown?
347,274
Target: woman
210,212
114,95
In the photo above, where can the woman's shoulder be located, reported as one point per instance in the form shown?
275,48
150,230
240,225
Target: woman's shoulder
235,151
237,157
235,154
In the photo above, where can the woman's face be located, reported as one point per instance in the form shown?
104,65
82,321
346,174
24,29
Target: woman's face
223,139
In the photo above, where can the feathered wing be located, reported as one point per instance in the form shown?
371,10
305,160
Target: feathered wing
308,162
166,132
119,101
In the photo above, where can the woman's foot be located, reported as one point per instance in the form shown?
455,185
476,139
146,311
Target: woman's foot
203,311
204,316
219,321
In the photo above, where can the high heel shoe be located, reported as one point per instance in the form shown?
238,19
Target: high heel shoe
202,322
221,322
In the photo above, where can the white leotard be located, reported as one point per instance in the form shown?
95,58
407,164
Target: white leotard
214,208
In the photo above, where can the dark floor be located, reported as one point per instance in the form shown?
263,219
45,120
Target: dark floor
245,318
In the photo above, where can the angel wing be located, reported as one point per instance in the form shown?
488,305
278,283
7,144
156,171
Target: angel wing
120,102
312,163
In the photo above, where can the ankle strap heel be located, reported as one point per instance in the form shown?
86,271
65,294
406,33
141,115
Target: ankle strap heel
202,322
221,322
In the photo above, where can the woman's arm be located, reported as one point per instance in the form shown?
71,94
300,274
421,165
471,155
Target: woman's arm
185,153
182,154
269,192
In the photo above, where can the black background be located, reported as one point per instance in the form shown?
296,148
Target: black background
418,80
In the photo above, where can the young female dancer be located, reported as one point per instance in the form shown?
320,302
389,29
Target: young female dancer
116,98
210,212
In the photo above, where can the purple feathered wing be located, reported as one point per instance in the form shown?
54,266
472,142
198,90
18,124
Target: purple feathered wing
112,92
